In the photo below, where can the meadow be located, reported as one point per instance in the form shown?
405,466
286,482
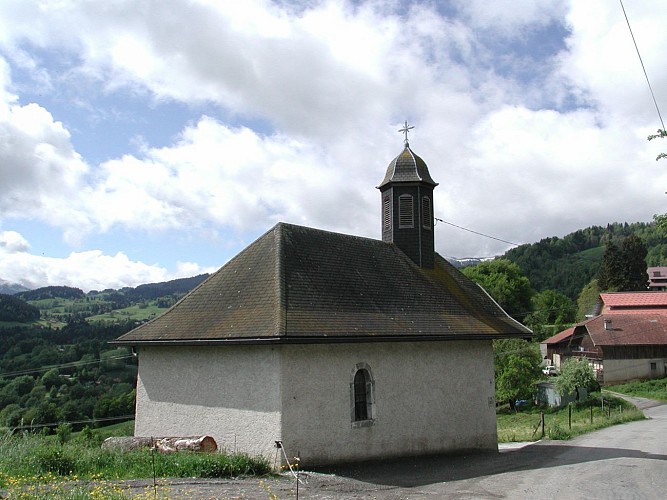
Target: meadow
73,466
564,423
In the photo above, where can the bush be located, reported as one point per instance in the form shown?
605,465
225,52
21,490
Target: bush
556,432
63,433
55,460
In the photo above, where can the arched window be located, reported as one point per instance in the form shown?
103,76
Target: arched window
361,379
362,396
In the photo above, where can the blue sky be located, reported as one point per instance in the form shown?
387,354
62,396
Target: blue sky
142,141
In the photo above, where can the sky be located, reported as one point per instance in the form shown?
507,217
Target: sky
143,141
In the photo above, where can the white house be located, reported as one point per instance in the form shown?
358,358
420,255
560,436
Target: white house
344,348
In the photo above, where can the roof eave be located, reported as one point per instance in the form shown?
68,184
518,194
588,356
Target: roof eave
324,340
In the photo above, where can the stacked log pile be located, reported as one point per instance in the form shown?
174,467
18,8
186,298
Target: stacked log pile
162,444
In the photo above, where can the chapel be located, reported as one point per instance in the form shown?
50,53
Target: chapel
341,348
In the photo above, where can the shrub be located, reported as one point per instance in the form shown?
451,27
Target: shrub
54,459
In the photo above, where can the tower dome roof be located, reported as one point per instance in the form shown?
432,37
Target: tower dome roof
407,167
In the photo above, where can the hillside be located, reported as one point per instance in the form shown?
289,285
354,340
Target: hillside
567,264
55,361
56,364
59,305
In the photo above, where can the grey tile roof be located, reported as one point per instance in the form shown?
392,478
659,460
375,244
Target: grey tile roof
300,284
407,167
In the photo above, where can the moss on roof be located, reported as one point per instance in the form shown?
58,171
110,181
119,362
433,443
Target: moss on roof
298,284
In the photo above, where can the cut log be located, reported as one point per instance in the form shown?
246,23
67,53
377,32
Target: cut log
162,444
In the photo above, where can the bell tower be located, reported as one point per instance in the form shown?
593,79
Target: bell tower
407,205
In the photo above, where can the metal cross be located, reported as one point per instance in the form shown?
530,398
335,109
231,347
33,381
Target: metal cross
405,130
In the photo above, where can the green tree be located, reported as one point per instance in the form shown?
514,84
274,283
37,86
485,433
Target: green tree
552,311
517,368
505,282
662,133
575,373
610,275
624,269
587,299
52,378
634,264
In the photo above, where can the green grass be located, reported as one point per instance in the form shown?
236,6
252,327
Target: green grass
37,466
135,312
525,425
652,389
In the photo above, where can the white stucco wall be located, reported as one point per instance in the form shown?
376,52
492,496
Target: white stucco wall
620,370
430,397
229,392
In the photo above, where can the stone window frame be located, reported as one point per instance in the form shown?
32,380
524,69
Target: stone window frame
369,396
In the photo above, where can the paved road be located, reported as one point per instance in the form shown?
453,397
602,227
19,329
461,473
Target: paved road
626,461
623,462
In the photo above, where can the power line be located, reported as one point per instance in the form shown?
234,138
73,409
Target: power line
88,421
477,232
63,365
643,67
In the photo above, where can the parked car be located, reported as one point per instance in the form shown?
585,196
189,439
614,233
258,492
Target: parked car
551,371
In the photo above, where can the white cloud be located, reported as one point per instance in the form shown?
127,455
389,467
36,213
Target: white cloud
89,270
524,144
13,242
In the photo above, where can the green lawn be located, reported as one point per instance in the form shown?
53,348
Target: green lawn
525,425
652,389
136,313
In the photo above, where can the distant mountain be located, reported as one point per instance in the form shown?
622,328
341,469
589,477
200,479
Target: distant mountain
469,261
52,292
10,288
151,291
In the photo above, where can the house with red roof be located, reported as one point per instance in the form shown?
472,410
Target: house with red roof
625,340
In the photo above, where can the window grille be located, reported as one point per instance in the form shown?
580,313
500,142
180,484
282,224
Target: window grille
405,211
426,212
386,213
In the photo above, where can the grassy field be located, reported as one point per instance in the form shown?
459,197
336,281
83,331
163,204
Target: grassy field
36,466
526,425
135,312
651,389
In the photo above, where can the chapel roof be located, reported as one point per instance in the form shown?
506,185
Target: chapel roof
407,167
298,284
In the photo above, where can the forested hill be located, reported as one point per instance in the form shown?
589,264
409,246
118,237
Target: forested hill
567,264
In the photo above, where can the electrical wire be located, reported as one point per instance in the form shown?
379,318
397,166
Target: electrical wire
89,421
63,365
477,232
643,67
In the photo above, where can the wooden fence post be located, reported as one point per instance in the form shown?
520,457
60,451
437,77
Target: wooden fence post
569,415
542,420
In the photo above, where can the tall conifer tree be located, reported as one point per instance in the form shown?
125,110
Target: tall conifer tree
611,269
634,259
